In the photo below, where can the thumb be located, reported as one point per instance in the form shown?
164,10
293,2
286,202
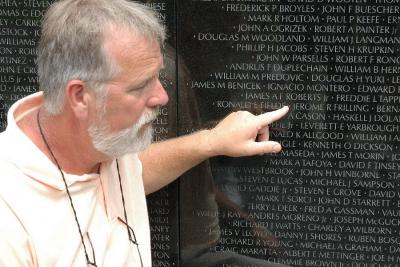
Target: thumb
265,147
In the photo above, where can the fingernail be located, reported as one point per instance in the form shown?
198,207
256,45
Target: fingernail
276,148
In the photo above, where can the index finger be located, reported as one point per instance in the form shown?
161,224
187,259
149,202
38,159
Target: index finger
269,117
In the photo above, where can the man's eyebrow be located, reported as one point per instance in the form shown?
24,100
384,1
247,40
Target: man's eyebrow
141,83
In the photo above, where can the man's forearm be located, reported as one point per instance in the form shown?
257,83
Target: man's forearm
163,162
239,134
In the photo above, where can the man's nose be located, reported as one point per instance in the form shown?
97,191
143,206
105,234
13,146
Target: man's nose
159,96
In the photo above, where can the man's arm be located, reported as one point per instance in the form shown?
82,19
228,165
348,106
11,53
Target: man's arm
239,134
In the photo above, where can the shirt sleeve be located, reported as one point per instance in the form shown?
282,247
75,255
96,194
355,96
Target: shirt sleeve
15,246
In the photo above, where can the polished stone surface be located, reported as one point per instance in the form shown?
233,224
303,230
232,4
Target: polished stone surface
331,197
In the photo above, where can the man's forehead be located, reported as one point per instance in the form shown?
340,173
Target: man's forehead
136,57
132,48
127,38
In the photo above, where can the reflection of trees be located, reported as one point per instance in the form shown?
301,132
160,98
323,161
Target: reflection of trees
201,202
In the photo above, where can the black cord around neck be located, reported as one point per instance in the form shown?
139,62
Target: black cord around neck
68,193
132,239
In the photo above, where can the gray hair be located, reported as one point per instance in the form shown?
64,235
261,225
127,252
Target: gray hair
72,43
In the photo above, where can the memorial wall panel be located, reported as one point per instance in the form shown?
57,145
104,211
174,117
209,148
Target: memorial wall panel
163,205
19,35
331,197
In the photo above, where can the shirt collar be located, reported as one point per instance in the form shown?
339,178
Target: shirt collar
22,152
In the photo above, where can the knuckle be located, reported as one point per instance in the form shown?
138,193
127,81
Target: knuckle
243,113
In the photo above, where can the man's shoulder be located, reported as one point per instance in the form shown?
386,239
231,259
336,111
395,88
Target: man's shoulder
7,143
3,138
7,148
9,175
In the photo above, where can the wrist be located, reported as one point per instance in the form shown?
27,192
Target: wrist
207,143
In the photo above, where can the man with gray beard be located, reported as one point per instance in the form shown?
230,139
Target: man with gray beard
124,141
72,186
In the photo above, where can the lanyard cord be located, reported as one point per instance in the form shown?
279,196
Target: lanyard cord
129,229
68,193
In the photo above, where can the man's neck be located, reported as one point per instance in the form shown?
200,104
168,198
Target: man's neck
67,140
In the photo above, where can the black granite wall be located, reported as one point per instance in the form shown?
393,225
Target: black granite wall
331,197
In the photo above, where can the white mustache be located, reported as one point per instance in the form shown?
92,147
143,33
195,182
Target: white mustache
127,140
148,117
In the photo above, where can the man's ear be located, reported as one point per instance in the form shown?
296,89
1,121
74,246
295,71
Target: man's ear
79,98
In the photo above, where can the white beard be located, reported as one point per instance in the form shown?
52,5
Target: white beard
129,140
